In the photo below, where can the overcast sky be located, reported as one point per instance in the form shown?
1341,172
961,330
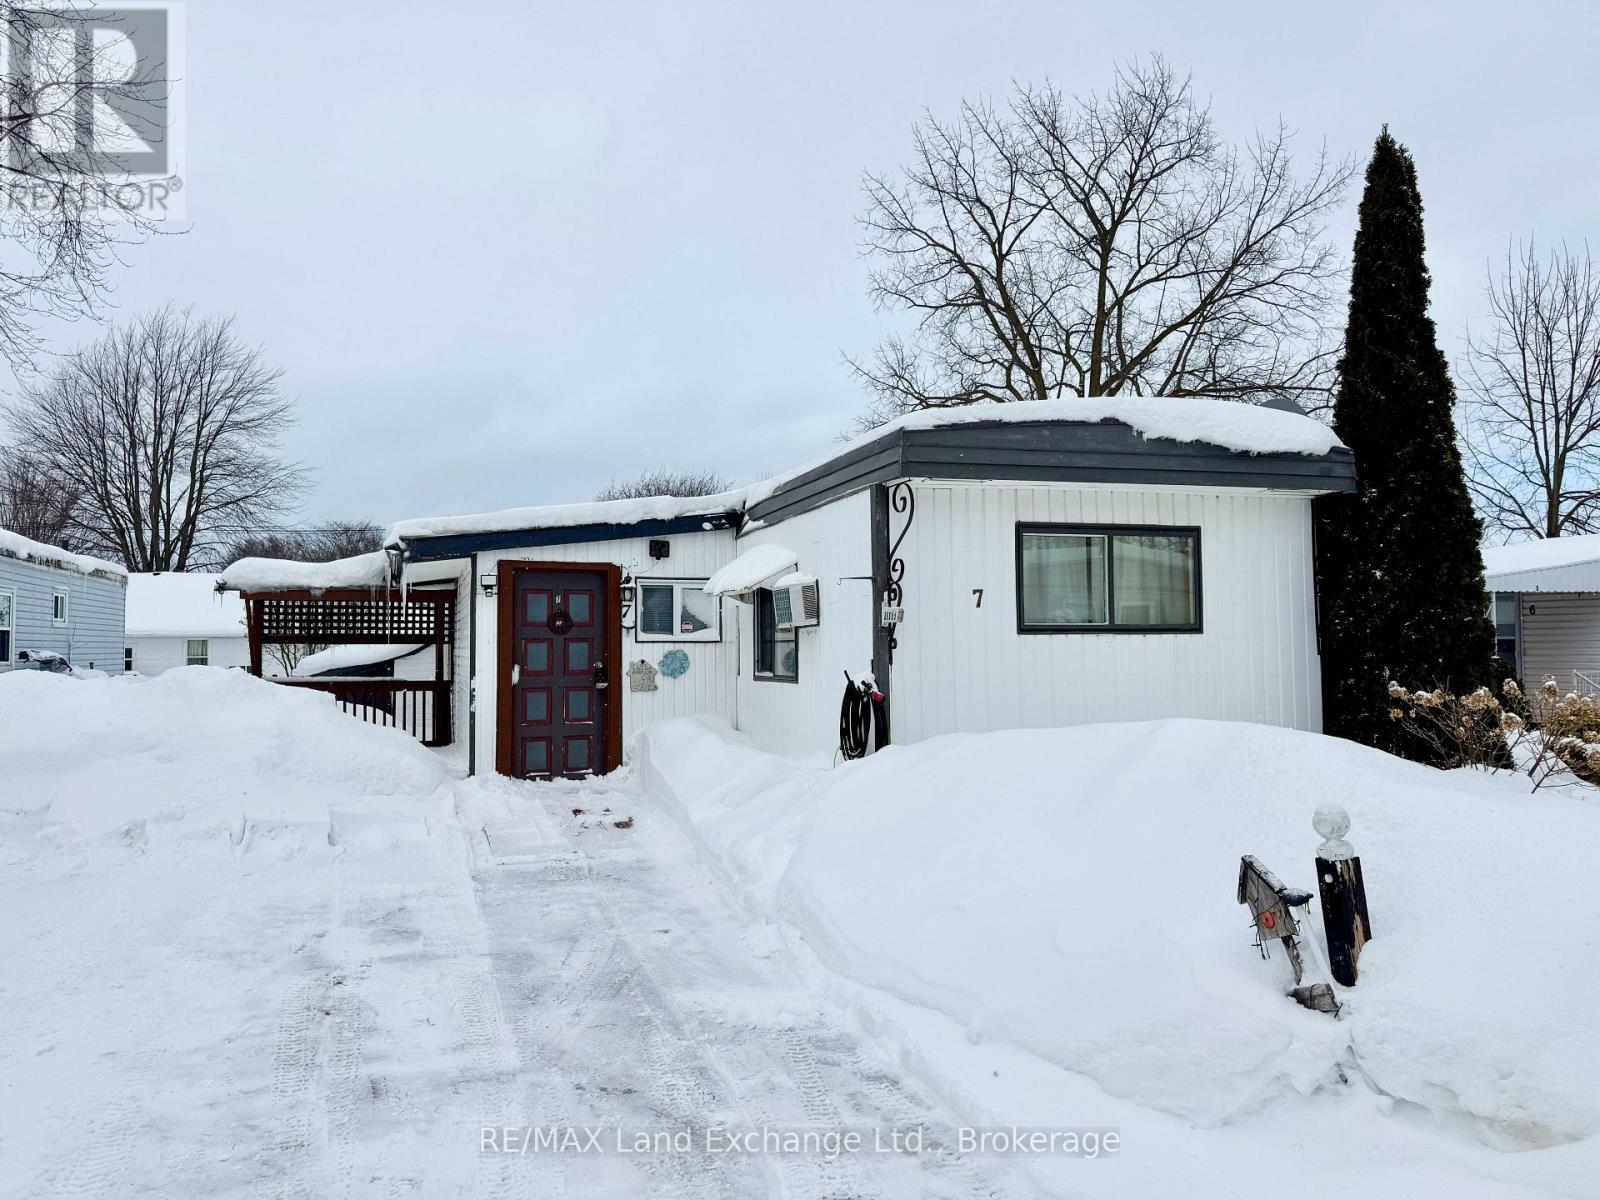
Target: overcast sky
504,255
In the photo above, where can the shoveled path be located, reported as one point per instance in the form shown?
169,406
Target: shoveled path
639,999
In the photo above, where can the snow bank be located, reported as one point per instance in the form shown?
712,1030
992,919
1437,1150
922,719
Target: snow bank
750,569
1071,892
14,545
337,657
193,751
287,575
181,604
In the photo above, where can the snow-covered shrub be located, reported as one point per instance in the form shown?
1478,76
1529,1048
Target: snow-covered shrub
1462,731
1547,732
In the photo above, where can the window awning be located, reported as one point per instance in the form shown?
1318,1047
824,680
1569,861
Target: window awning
751,569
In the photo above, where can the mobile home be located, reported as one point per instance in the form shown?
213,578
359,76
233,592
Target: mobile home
985,567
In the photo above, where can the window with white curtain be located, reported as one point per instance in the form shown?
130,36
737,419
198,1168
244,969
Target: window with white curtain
1108,579
677,610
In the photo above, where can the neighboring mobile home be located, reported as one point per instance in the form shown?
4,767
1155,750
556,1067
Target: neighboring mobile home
179,619
53,602
1547,609
989,567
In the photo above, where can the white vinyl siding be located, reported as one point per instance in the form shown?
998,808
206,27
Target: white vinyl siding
834,544
92,633
962,666
153,655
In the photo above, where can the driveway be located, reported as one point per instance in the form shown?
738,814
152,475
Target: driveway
639,999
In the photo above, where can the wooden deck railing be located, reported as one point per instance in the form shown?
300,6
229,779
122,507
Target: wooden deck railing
421,707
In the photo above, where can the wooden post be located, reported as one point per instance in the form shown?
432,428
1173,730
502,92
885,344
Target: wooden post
252,620
1344,895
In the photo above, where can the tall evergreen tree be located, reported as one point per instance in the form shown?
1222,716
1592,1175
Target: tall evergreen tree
1401,575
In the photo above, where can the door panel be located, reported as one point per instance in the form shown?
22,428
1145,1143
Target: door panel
559,704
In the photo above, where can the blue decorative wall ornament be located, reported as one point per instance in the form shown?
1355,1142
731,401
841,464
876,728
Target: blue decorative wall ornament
674,663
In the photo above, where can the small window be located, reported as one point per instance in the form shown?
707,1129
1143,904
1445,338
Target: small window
58,607
677,610
1505,627
197,653
8,605
1108,579
127,659
777,650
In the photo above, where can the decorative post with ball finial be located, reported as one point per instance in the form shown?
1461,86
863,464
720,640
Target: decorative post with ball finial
1344,895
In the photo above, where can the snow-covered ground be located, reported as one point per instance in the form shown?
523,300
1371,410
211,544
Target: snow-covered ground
256,948
243,956
1045,922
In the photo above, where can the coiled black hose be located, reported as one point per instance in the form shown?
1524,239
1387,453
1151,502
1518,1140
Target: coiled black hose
861,716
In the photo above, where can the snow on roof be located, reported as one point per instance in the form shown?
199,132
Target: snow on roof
1545,564
182,604
561,516
1230,424
337,657
751,569
14,545
1542,553
283,575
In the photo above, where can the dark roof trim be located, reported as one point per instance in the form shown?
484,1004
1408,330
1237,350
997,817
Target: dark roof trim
459,545
1053,452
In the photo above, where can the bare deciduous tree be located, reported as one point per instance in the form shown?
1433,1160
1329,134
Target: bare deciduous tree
33,502
663,481
167,431
1100,245
65,204
1532,418
320,543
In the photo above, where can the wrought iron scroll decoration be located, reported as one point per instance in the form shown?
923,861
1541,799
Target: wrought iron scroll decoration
903,501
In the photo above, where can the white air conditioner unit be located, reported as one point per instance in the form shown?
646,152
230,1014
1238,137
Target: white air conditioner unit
795,604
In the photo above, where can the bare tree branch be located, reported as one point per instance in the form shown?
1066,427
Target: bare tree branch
65,205
33,501
166,433
1532,420
1100,245
664,481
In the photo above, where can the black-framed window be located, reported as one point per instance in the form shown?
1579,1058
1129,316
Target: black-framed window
1108,578
777,650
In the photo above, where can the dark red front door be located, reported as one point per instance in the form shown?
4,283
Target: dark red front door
559,625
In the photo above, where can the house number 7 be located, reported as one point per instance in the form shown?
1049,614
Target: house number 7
978,594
